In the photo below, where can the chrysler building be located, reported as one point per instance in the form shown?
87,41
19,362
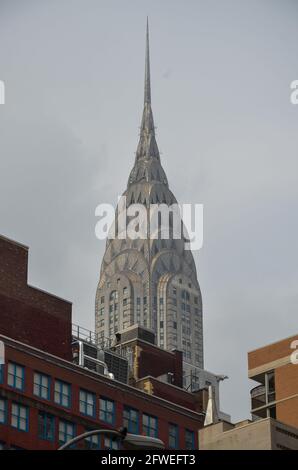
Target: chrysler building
151,282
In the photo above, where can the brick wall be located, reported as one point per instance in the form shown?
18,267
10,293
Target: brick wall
28,314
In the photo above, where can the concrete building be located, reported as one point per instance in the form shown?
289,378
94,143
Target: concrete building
50,391
152,282
274,405
275,368
264,434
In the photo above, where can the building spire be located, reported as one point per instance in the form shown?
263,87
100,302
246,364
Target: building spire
147,147
147,90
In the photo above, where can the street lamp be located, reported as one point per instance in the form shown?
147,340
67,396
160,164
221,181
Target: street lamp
129,441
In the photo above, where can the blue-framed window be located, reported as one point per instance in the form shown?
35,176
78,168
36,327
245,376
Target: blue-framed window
3,410
93,442
189,439
19,417
42,385
1,373
87,403
46,426
106,410
131,419
67,431
62,393
173,436
150,425
16,376
110,444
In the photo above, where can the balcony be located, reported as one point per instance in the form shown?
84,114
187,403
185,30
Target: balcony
258,397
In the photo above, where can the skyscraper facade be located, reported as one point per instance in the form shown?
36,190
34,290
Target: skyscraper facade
150,281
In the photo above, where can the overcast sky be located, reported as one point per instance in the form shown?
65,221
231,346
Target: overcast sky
221,73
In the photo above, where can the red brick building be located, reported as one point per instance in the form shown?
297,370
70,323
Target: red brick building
45,398
275,368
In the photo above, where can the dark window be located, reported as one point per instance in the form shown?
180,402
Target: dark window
19,417
3,409
189,439
87,403
92,442
67,431
173,436
272,412
46,426
16,376
131,420
150,426
62,395
42,385
107,410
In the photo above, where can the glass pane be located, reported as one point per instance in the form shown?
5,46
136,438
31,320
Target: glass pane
14,421
22,426
18,383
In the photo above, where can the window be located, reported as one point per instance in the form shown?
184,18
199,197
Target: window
110,443
42,386
19,417
131,420
87,403
189,439
125,290
92,442
270,386
145,300
2,410
16,376
173,436
149,425
67,431
114,295
1,373
102,300
62,393
107,410
46,426
124,301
